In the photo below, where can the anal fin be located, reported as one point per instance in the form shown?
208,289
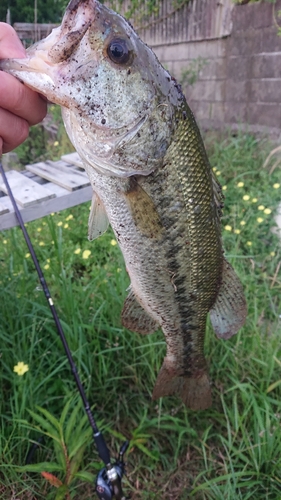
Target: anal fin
229,312
135,318
98,221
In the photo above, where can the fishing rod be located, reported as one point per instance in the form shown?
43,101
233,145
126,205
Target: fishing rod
108,484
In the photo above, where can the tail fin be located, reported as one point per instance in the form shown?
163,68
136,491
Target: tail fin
194,392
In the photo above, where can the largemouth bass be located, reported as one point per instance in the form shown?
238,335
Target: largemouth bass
143,152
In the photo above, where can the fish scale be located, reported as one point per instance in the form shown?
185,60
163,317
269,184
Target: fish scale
151,179
194,294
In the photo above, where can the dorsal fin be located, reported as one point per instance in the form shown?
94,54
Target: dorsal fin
218,194
229,312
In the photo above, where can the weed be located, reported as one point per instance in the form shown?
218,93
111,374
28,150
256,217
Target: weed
231,451
190,74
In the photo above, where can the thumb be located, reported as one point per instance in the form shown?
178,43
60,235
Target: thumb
10,44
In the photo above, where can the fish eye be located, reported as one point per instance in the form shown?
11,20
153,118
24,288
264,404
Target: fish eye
118,51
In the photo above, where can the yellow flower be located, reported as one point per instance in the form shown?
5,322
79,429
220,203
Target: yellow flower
260,219
228,228
240,184
21,368
254,200
113,242
46,266
52,214
249,243
276,185
218,172
39,229
77,251
66,226
272,254
267,211
237,231
246,197
118,270
27,255
214,169
41,244
69,217
48,260
242,223
261,207
59,223
86,254
224,188
56,143
5,242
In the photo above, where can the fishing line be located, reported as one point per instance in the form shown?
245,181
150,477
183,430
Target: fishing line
108,482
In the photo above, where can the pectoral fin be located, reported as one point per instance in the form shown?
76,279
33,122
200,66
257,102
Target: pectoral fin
229,312
135,318
143,211
98,221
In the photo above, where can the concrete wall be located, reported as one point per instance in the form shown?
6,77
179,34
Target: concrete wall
241,82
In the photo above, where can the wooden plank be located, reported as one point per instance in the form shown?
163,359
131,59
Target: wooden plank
66,177
74,159
67,167
32,31
177,22
64,199
56,197
26,191
3,209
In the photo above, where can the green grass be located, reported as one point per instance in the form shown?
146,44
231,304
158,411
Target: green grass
230,452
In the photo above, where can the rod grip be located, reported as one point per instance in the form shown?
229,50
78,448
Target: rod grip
102,448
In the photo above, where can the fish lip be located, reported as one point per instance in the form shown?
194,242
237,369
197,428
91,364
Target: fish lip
68,20
20,68
46,53
24,64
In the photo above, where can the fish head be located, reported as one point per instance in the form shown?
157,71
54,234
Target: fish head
117,100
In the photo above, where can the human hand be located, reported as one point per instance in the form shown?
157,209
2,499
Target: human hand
20,106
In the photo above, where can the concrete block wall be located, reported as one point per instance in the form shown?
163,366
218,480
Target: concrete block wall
241,82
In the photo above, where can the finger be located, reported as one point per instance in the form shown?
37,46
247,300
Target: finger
10,44
21,100
14,96
13,130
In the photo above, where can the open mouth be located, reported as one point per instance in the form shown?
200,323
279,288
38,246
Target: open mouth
45,57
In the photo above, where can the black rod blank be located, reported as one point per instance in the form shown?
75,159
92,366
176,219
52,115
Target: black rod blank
97,435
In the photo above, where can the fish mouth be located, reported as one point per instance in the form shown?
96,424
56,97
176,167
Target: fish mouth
43,66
